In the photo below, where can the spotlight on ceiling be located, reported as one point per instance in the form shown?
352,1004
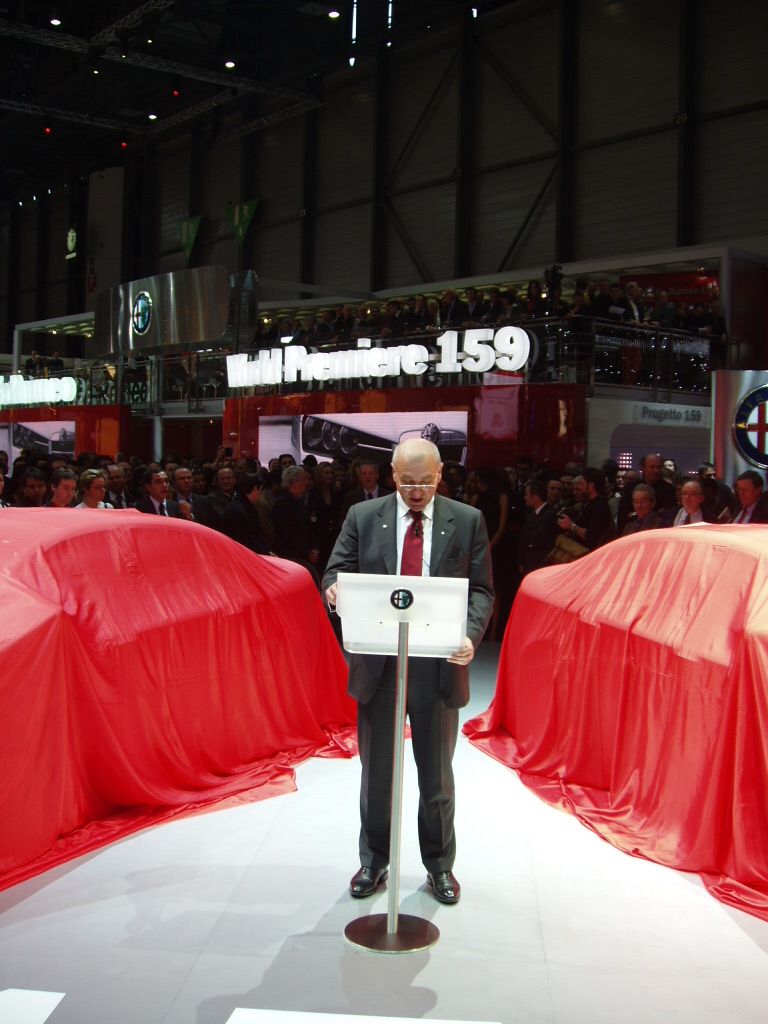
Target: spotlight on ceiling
152,117
229,64
333,14
55,20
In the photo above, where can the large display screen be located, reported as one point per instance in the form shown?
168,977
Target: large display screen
46,437
359,435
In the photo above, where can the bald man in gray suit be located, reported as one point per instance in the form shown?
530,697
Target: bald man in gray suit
455,544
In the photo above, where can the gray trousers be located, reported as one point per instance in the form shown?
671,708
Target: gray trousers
434,729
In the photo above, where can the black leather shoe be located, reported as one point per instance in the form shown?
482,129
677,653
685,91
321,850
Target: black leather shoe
444,886
367,881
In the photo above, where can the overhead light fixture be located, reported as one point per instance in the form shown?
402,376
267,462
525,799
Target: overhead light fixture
229,64
95,71
152,117
55,20
351,62
333,14
150,41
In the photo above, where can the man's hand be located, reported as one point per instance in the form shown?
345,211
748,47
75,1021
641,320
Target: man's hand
330,595
462,656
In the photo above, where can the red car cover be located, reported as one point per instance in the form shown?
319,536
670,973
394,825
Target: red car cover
148,666
633,692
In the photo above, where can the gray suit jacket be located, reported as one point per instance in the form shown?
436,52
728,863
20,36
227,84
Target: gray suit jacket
368,543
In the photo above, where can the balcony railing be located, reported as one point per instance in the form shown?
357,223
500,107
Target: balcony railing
577,350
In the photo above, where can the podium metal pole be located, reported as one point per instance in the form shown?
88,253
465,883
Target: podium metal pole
394,932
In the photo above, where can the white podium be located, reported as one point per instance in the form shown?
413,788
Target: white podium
410,616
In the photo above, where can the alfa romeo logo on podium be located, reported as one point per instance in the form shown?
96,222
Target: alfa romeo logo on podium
401,599
141,315
750,427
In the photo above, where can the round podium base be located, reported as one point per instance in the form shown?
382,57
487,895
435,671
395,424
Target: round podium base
413,934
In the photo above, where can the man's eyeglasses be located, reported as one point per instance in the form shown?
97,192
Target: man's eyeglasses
424,486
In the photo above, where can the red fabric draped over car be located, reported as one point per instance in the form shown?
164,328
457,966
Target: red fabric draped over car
633,693
149,666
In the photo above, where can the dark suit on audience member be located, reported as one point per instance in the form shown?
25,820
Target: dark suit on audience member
368,544
147,505
360,494
214,507
240,521
537,537
294,530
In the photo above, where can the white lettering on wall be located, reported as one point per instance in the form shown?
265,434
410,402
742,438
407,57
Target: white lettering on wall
45,391
484,349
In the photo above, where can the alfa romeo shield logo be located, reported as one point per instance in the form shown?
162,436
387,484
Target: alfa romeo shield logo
141,315
401,599
750,427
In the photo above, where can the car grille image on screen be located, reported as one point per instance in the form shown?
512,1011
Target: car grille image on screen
374,436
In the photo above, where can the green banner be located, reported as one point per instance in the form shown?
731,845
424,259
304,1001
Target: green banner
240,217
189,234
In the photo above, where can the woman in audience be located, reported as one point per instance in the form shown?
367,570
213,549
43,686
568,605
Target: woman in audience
91,490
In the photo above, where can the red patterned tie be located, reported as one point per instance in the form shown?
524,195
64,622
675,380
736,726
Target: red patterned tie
413,547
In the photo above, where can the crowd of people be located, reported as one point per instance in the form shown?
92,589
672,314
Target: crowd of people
534,516
590,299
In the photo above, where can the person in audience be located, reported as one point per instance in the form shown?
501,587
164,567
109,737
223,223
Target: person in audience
539,531
476,308
192,506
645,518
222,493
534,304
3,502
295,533
63,484
455,476
31,488
92,489
116,483
724,497
555,492
329,511
634,299
593,524
370,487
240,520
495,311
662,314
156,501
752,501
692,500
453,312
652,474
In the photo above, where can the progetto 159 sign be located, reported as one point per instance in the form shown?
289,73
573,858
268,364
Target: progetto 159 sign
43,391
484,349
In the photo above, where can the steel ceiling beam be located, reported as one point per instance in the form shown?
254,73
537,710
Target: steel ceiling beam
110,33
69,115
267,120
74,44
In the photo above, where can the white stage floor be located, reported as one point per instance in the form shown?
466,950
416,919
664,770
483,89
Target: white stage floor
246,907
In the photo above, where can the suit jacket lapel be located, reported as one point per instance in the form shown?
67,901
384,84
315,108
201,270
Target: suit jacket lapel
387,533
443,530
